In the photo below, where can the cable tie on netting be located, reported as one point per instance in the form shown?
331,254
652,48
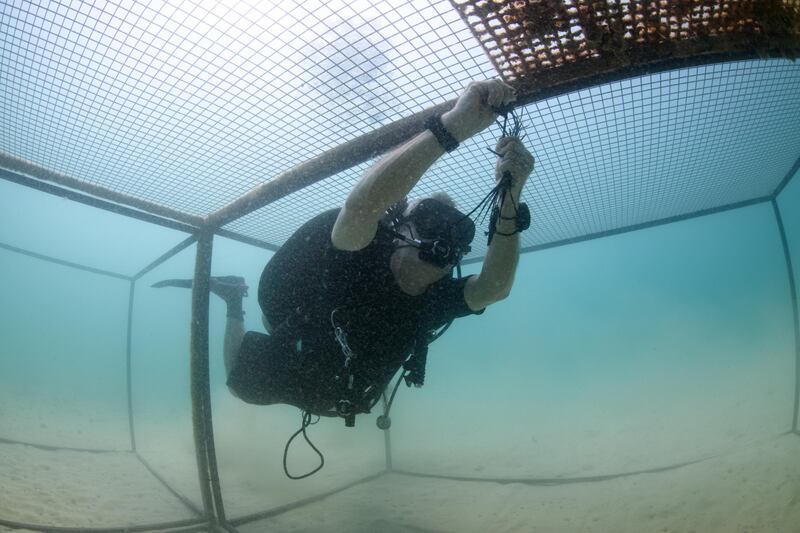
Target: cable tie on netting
512,126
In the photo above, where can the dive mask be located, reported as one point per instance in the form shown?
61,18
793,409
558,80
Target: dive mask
444,233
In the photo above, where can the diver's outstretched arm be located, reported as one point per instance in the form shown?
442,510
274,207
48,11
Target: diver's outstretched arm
500,264
394,175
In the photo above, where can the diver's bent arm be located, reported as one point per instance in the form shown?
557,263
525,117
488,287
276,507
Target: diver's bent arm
499,266
494,282
387,181
393,177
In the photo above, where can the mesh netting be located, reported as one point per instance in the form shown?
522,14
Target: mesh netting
190,104
538,43
616,155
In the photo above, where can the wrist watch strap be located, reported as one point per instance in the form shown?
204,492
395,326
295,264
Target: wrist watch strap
445,138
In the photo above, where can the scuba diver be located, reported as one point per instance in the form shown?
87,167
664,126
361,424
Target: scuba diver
358,292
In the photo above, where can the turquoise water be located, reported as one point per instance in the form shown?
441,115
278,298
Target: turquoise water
629,352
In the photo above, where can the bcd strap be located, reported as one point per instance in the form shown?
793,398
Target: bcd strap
415,365
346,406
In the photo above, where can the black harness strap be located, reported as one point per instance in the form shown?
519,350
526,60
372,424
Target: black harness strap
415,365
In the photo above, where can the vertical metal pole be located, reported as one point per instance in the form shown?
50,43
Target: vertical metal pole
128,365
199,365
201,386
387,441
216,488
793,295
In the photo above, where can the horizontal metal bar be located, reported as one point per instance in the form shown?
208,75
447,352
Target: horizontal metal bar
205,527
184,500
50,448
77,196
61,262
327,164
554,480
636,227
21,166
551,481
786,179
225,527
228,234
145,527
378,141
554,244
294,505
168,254
576,77
178,526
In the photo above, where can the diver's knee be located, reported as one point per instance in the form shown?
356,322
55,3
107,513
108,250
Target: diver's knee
266,323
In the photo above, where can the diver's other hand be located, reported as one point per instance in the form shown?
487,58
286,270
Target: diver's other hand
475,109
515,159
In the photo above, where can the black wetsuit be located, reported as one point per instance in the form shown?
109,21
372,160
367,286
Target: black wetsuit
306,282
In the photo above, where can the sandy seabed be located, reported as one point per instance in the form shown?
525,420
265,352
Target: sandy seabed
746,478
753,489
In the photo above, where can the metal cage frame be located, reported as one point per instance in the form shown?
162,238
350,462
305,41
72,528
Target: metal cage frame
202,230
213,514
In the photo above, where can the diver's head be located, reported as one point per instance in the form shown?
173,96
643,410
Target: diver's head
442,233
433,236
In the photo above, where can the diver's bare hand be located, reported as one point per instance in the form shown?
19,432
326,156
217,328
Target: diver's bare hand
476,109
515,159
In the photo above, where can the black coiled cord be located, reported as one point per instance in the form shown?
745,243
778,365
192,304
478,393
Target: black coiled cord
306,422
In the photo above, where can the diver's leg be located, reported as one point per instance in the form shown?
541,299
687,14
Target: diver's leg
234,333
232,289
266,323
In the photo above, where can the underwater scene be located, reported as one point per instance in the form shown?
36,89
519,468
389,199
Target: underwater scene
667,351
394,266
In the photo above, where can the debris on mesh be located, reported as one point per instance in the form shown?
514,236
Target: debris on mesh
530,40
